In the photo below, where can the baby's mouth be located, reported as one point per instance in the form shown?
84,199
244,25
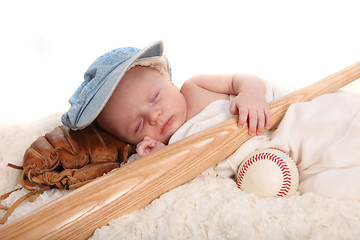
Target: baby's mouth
166,125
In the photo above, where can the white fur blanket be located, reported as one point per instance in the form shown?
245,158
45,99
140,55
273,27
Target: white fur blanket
211,206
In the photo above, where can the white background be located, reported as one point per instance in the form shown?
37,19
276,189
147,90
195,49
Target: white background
46,46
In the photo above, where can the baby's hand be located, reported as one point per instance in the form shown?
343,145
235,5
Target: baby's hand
251,107
147,146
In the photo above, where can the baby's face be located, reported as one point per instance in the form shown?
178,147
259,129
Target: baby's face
145,103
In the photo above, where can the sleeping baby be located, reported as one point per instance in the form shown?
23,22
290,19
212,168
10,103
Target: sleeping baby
128,92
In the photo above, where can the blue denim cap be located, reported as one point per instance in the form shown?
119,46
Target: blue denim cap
100,81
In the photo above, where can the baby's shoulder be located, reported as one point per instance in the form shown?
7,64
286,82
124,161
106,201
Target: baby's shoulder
197,97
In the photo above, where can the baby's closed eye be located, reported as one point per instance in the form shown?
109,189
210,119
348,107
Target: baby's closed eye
154,98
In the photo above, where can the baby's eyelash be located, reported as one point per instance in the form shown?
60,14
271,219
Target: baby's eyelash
154,98
138,126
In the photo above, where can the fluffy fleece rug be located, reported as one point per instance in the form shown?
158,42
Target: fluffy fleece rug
207,207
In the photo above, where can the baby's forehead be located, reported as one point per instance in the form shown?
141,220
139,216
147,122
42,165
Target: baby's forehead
139,78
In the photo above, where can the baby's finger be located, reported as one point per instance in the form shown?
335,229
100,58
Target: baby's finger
260,123
140,150
252,122
147,138
233,108
141,146
243,116
267,118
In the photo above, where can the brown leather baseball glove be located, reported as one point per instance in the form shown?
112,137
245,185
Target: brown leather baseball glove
67,159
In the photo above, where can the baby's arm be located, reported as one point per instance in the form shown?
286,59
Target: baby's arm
250,103
147,146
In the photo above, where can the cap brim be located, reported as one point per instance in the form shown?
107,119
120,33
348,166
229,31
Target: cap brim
98,102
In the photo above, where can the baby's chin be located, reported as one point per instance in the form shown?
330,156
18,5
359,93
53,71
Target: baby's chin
166,140
172,132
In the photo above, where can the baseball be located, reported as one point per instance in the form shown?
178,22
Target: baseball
268,173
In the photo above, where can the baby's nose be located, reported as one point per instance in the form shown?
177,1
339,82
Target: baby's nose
154,117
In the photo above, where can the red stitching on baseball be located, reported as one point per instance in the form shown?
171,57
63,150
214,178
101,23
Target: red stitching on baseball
287,180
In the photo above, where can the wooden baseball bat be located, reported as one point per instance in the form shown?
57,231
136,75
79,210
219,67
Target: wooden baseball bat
76,215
